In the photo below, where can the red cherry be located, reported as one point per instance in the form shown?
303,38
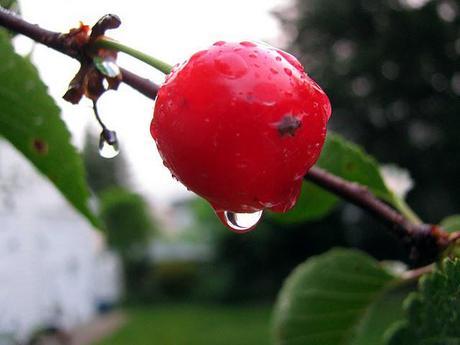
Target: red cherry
240,124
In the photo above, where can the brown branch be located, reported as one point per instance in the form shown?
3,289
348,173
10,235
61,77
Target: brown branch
362,197
143,85
424,240
63,44
51,39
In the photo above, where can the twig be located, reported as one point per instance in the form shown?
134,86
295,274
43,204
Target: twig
362,197
454,237
414,274
63,44
142,85
424,240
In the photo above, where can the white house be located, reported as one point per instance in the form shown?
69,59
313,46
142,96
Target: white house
54,269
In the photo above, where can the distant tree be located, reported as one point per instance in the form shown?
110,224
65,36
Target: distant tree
391,70
127,221
129,229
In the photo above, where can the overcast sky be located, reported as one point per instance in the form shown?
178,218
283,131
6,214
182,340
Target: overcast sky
170,30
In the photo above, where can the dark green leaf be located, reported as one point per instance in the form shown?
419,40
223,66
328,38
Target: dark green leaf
382,314
313,203
347,160
30,120
432,313
451,224
333,299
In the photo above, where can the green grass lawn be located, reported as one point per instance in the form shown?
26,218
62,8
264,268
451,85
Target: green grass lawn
189,324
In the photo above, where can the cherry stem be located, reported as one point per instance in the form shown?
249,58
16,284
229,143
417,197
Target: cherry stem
425,241
108,43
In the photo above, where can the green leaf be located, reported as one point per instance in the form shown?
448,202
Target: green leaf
382,314
314,203
347,160
10,5
332,299
433,316
451,224
30,120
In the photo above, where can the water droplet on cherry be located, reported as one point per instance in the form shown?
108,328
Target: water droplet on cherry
287,71
327,109
292,60
248,44
231,65
240,222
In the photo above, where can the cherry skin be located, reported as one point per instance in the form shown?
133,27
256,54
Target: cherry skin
240,124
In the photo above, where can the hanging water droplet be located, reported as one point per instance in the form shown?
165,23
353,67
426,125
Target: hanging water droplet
240,222
108,144
107,150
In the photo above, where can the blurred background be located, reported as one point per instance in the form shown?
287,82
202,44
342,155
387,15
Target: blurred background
165,270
